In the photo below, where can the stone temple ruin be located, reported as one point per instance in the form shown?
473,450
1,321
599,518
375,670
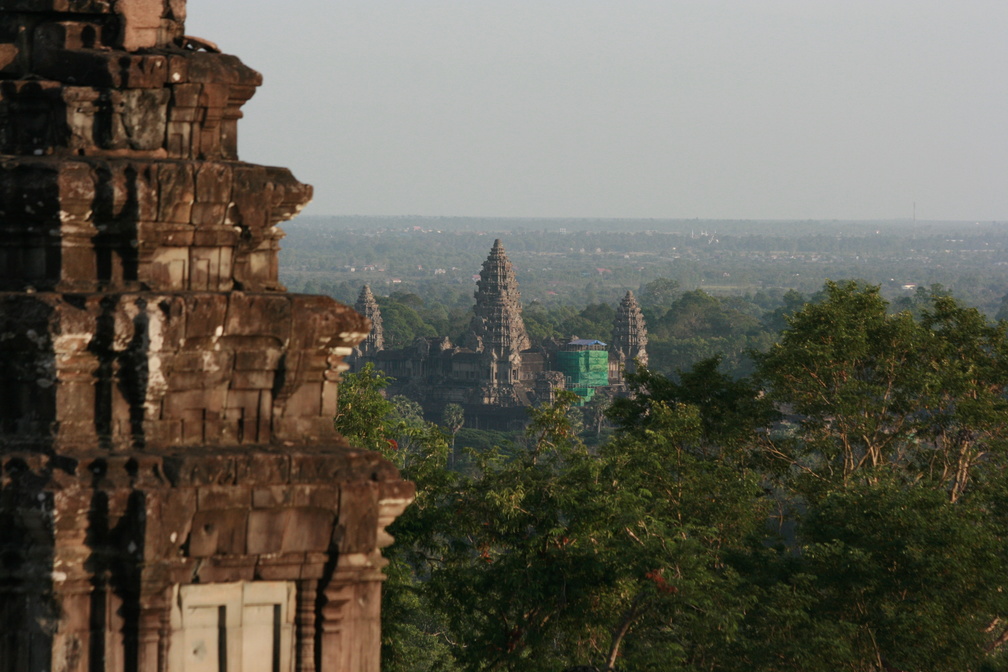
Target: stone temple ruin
173,496
497,373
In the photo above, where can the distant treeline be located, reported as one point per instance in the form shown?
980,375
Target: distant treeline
578,262
706,288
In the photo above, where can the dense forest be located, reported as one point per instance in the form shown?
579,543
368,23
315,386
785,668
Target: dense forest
843,506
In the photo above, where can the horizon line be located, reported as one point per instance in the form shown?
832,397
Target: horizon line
907,220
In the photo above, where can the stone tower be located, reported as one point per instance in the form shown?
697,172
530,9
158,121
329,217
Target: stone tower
173,496
629,338
498,330
368,307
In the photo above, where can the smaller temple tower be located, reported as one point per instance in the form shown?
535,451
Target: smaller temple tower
629,339
368,307
498,330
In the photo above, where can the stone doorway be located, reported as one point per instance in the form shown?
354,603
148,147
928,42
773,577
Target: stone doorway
233,627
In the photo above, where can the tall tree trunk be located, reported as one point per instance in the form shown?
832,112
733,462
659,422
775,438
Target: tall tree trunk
620,631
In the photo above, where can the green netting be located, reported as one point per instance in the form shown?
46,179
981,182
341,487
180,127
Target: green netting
584,368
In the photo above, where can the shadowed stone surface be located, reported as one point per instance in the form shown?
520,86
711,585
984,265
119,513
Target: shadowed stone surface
173,495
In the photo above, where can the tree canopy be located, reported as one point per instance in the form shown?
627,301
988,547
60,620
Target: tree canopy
846,507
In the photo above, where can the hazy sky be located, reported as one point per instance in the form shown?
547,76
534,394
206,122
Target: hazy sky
749,109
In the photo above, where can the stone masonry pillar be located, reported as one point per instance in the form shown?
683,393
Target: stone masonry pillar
173,496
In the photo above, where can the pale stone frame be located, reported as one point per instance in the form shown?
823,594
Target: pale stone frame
249,645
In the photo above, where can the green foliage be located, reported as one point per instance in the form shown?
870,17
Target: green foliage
553,555
542,323
453,418
871,389
731,410
596,412
363,411
845,508
401,321
916,577
564,322
896,445
851,371
698,326
659,293
595,321
697,313
476,441
670,516
412,638
412,627
505,572
775,320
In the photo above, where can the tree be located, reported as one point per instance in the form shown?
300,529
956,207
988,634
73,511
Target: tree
886,476
872,390
852,373
412,632
776,319
363,411
966,411
669,519
596,410
453,418
659,293
502,564
555,555
595,321
917,577
895,476
732,411
402,323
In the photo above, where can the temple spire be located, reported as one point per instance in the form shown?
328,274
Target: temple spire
368,307
498,331
497,326
629,335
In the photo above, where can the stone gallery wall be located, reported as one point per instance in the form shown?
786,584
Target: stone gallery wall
173,495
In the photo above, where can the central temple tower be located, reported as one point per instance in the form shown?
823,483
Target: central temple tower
498,330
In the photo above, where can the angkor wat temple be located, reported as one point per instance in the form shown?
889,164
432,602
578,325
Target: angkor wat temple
173,495
497,372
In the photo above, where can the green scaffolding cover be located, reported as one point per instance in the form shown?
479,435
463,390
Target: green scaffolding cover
584,368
